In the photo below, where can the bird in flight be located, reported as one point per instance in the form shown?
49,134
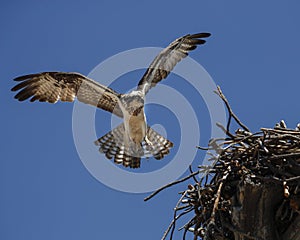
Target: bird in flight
133,139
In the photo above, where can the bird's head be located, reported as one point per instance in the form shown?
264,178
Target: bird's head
133,102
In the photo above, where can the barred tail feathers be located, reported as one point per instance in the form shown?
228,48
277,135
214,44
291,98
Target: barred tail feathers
129,154
113,145
159,146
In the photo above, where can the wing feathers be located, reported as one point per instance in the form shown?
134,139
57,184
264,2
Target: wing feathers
167,59
200,35
54,86
22,78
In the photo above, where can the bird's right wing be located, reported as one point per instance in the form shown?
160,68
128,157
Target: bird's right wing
53,86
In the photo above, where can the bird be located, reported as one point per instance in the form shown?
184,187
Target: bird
133,138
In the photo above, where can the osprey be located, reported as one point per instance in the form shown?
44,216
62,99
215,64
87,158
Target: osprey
132,139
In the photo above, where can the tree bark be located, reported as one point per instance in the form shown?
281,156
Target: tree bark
254,208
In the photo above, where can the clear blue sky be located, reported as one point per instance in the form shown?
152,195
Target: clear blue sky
46,192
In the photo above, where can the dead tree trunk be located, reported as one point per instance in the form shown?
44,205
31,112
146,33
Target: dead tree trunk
253,210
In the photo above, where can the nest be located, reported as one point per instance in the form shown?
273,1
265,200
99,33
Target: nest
252,188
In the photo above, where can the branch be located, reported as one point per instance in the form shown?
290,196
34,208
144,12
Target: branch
231,113
172,183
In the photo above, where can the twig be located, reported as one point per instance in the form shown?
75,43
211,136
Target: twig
191,172
172,183
218,195
288,155
231,113
226,131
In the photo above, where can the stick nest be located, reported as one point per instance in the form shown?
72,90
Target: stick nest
270,156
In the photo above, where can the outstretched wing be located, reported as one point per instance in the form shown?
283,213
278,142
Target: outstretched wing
166,60
54,86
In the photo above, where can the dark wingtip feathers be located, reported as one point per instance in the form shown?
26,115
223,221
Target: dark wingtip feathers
13,89
200,35
24,77
197,38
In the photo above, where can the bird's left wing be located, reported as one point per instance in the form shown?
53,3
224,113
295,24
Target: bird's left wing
54,86
166,60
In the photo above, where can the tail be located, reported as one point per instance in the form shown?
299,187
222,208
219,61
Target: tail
114,146
157,146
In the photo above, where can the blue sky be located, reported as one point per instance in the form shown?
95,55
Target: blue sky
46,192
